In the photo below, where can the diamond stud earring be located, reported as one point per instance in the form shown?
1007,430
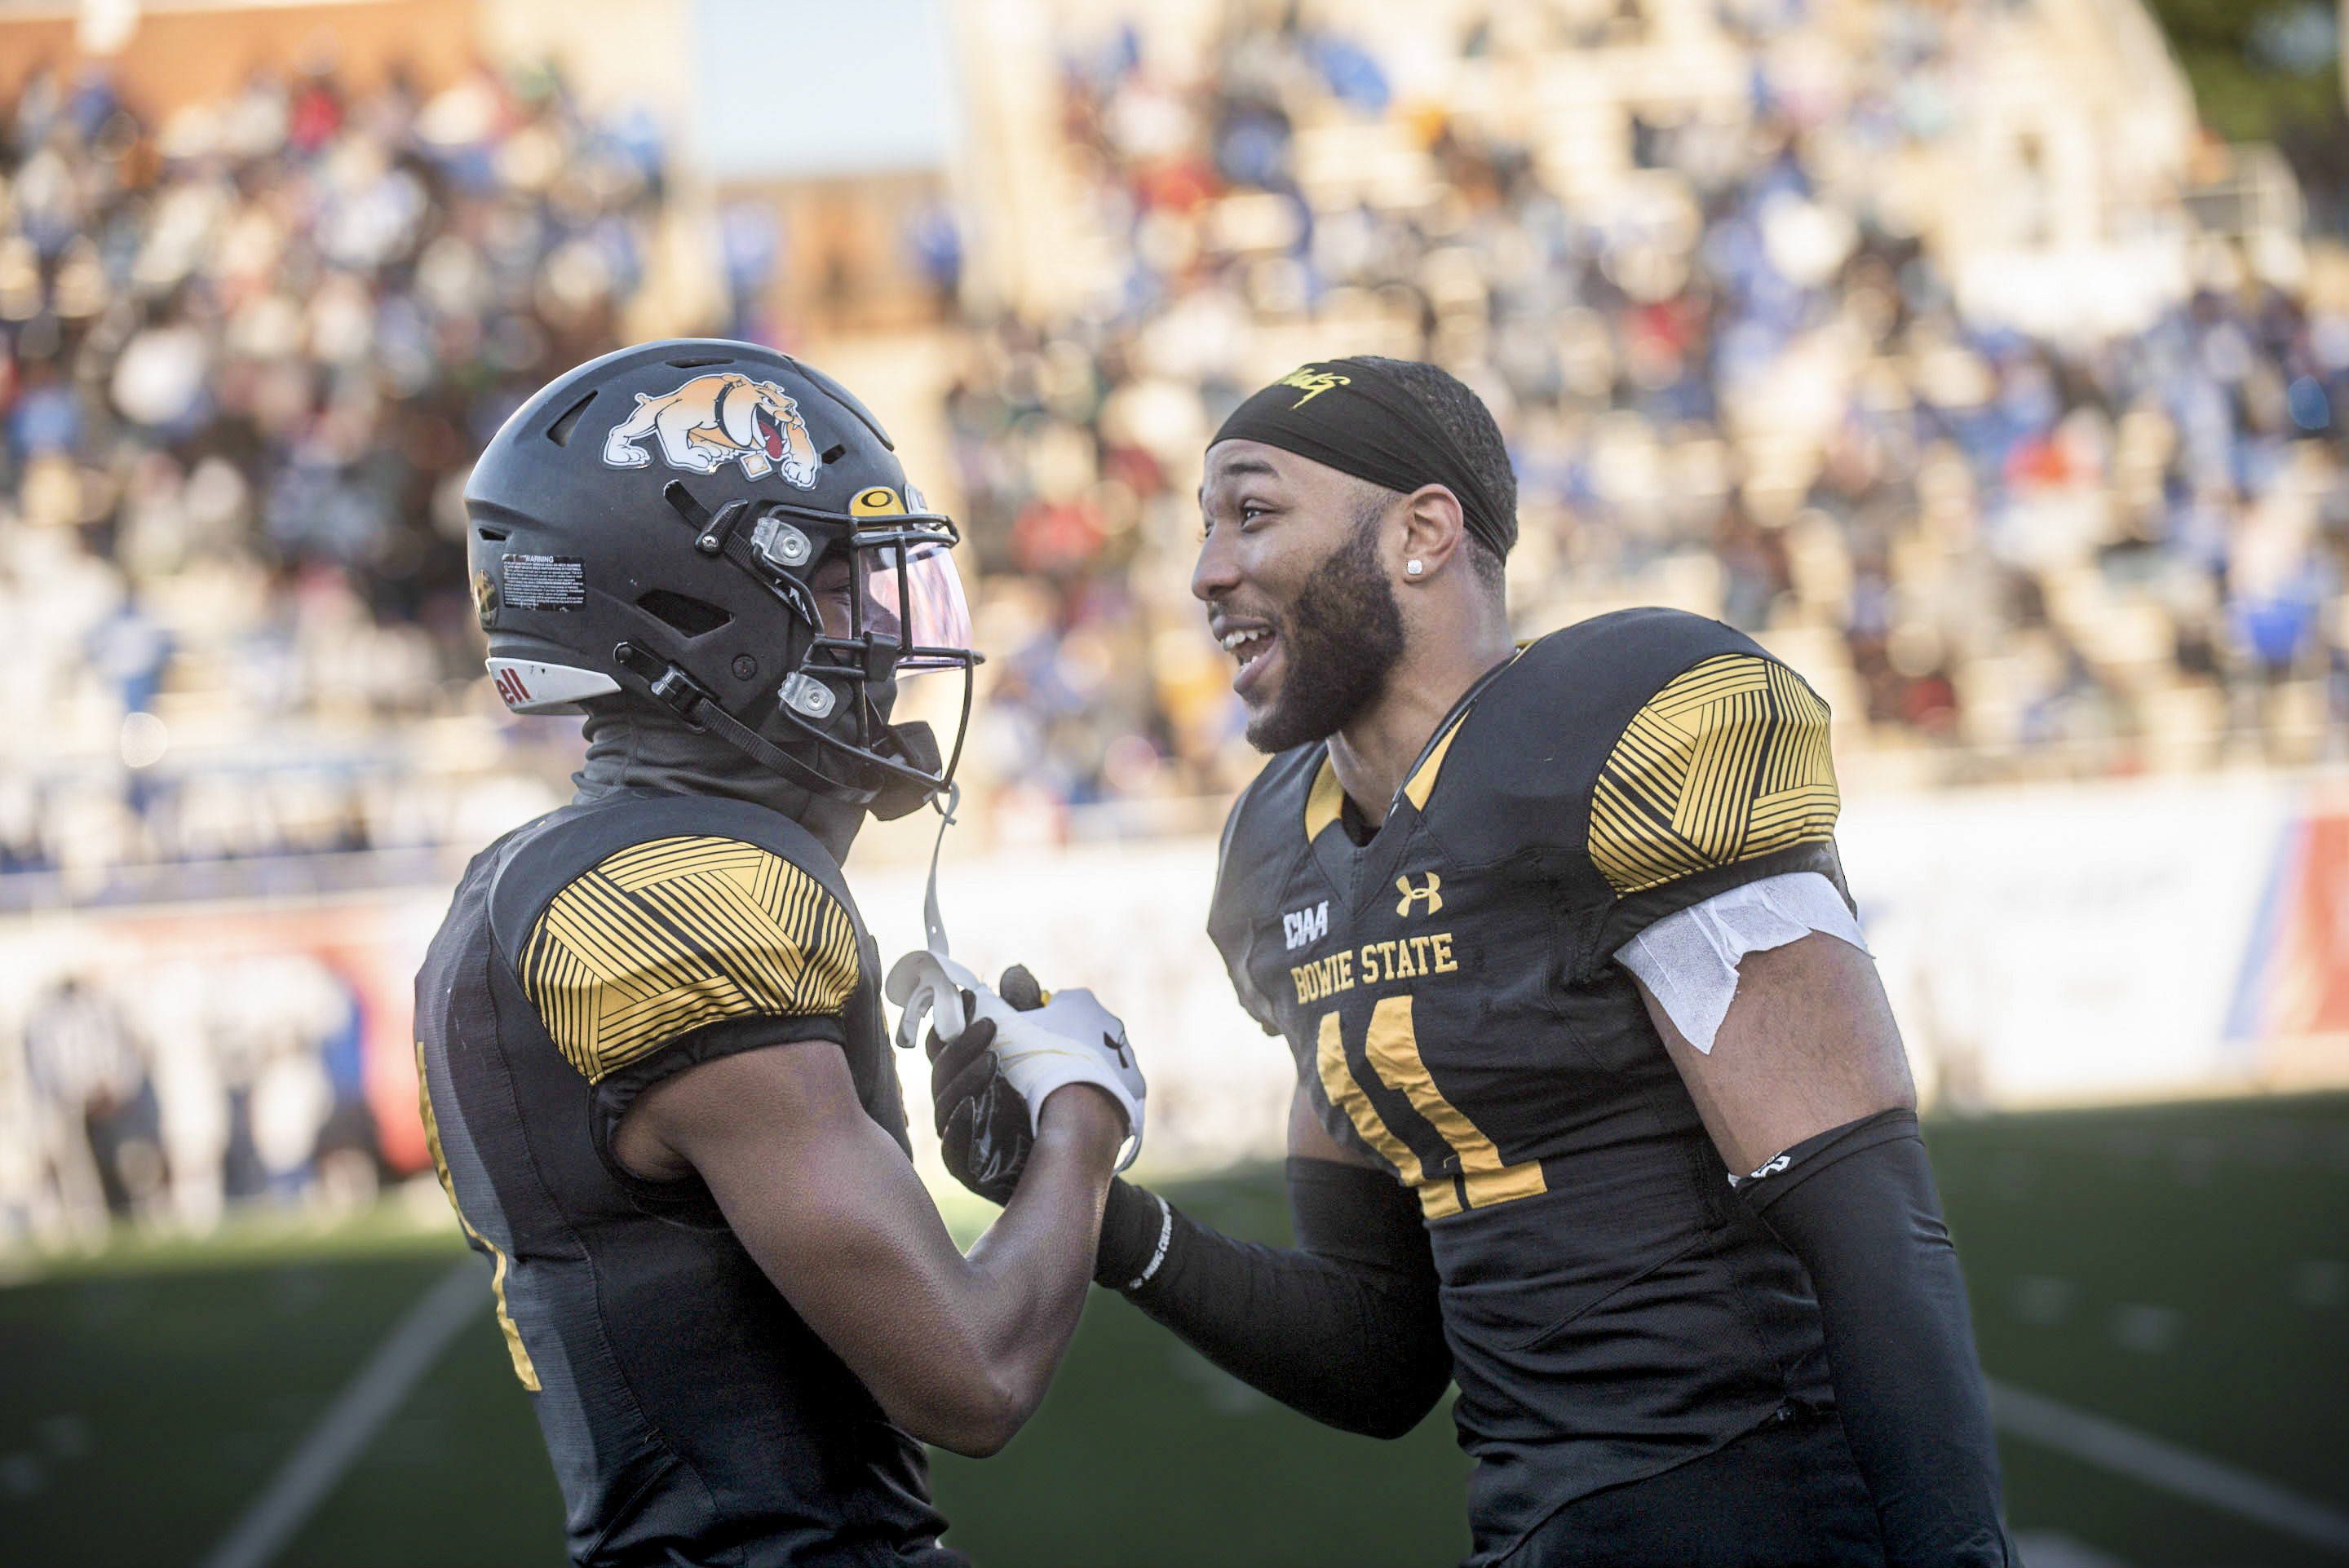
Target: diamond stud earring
1412,567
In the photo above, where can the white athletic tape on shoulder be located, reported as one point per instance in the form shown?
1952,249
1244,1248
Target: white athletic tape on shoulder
1689,959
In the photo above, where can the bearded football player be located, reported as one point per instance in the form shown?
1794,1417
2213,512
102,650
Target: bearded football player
1600,1111
650,1042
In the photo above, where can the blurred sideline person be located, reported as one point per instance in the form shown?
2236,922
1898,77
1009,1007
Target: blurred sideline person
1600,1109
80,1063
654,1075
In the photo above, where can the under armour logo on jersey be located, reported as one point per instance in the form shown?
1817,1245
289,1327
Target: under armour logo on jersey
1304,925
1412,895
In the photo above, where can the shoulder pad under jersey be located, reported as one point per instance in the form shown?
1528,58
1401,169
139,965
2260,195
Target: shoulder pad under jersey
634,921
1654,756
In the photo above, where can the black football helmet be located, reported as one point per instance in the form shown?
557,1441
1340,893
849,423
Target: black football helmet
718,528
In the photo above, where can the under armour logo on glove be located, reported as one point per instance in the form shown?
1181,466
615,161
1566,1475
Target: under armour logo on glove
1053,1044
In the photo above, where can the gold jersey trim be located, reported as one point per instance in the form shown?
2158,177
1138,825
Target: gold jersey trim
1729,762
667,936
1421,782
1325,801
523,1368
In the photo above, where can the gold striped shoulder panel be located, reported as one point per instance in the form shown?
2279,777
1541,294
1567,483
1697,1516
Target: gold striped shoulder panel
1727,763
667,936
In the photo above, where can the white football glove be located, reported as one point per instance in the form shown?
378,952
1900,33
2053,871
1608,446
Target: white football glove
1071,1039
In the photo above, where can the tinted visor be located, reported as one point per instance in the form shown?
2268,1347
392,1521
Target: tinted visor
913,593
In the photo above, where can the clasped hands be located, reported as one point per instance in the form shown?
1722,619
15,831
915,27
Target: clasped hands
996,1054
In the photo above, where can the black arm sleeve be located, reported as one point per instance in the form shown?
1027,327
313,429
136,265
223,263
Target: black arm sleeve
1345,1328
1858,1205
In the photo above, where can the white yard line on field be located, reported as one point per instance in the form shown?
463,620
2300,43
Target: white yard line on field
342,1433
2163,1466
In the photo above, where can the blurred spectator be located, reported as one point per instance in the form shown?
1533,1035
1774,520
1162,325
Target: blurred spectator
95,1106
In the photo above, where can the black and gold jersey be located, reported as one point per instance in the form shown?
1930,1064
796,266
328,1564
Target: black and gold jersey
692,1416
1447,988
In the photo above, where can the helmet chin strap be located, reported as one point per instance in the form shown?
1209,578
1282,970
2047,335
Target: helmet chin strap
934,926
764,752
927,982
676,690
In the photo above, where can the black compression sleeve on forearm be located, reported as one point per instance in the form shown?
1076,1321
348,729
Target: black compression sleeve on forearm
1858,1205
1345,1328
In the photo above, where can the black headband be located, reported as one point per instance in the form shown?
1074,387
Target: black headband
1357,417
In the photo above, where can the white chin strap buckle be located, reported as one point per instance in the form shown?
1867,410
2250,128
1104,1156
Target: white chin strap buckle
928,986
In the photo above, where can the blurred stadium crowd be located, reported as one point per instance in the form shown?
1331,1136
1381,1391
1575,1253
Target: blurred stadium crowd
250,351
1739,384
250,354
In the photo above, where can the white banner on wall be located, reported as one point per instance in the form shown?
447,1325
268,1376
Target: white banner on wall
2041,946
2071,943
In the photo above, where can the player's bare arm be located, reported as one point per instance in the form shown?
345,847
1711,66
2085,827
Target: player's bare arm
959,1349
1308,1139
1808,1043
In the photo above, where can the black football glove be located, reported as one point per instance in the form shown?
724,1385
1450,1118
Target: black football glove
984,1129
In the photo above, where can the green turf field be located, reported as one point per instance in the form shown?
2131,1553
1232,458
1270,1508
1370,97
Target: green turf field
2183,1270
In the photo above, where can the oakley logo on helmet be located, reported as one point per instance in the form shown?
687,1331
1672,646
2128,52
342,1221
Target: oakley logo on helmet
713,420
876,501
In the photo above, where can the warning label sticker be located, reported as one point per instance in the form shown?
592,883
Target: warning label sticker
545,582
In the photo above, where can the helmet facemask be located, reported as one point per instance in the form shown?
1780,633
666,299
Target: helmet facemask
873,599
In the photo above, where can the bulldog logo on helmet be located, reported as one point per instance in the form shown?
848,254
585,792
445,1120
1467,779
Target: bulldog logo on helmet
713,420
